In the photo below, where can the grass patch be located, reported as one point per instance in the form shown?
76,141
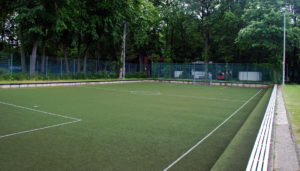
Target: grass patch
291,95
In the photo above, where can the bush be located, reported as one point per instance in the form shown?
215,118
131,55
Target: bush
136,75
102,74
113,75
67,76
78,76
4,74
20,76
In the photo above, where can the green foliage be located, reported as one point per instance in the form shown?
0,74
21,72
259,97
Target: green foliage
4,74
172,30
136,75
262,34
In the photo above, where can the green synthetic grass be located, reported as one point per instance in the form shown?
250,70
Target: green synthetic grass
135,126
291,95
239,150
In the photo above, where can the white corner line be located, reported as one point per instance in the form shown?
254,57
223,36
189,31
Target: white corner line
199,142
40,111
38,129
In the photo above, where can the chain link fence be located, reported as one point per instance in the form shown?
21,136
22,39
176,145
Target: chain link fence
56,68
229,72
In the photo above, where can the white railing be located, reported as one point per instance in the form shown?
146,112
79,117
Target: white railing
260,152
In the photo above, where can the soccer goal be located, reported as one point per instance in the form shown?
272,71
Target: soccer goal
202,78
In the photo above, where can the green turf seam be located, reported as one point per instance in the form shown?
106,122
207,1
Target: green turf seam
238,151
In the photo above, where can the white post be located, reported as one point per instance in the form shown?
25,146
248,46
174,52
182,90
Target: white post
283,60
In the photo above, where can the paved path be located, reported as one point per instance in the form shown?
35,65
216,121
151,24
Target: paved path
285,153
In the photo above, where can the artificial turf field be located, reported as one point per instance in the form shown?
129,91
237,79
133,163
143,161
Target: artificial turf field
134,126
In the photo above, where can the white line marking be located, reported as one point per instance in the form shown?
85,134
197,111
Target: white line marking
37,129
109,89
146,93
199,142
170,95
204,98
40,111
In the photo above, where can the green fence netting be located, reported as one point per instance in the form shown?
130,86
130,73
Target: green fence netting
230,72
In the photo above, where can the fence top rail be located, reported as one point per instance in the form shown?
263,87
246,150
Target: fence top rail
224,64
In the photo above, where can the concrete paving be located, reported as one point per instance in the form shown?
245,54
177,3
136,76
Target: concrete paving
285,156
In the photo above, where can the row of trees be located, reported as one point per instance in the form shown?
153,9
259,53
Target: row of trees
240,31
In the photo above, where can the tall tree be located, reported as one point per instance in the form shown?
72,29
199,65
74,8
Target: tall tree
204,11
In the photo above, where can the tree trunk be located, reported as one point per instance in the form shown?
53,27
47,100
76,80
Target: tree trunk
167,33
78,55
121,67
172,42
33,56
294,67
120,72
86,52
23,62
43,56
206,46
98,51
65,49
98,55
3,33
167,39
141,59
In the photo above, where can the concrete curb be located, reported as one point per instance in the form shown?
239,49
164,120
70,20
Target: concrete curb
291,131
53,84
285,149
221,84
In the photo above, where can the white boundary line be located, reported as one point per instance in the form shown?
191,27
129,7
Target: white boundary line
37,129
40,111
146,93
204,98
162,94
199,142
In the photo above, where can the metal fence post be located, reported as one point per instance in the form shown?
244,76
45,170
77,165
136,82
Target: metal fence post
11,65
96,66
36,66
60,68
231,72
247,72
8,64
46,67
30,67
74,62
